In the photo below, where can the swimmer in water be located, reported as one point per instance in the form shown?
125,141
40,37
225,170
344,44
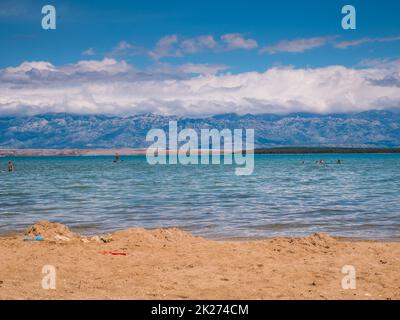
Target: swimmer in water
10,166
339,161
116,157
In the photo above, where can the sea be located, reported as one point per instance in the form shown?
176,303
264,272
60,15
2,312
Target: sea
287,195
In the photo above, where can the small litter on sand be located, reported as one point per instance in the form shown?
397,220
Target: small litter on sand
61,238
115,253
106,238
38,238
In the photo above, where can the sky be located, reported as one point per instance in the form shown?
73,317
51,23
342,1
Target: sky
198,58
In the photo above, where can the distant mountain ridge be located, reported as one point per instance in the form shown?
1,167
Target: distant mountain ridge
59,130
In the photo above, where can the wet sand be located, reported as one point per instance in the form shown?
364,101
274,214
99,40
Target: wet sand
172,264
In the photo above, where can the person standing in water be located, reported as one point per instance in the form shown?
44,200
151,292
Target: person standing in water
10,166
116,157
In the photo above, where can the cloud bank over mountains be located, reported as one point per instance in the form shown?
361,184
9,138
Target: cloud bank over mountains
112,86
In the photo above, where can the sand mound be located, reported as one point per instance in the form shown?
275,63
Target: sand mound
321,239
154,237
318,240
49,229
60,232
140,236
171,234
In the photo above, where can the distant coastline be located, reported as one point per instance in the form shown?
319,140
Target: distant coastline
142,151
72,152
320,150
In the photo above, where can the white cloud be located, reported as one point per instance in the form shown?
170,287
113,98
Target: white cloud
237,41
86,70
184,71
297,45
166,47
124,48
174,46
357,42
31,65
107,65
116,87
88,52
202,69
198,44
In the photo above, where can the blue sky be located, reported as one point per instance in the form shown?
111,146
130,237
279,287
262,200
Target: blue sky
223,56
101,25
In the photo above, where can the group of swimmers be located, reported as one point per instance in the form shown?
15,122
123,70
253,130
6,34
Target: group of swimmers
11,166
323,161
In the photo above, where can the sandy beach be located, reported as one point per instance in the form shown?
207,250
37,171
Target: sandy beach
172,264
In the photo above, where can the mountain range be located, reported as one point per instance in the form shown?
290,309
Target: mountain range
59,130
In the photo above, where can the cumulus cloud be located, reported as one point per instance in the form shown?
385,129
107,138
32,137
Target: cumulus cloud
297,45
238,41
392,74
357,42
40,72
115,87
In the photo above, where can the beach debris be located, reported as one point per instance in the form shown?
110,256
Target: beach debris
38,238
115,253
61,238
106,238
95,238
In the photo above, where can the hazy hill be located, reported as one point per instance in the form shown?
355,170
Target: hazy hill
366,129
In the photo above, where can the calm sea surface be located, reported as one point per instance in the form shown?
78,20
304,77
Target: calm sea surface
283,197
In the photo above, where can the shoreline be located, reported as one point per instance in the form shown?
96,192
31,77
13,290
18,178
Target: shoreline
173,264
19,232
71,152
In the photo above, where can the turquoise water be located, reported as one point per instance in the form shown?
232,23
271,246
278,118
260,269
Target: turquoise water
283,197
